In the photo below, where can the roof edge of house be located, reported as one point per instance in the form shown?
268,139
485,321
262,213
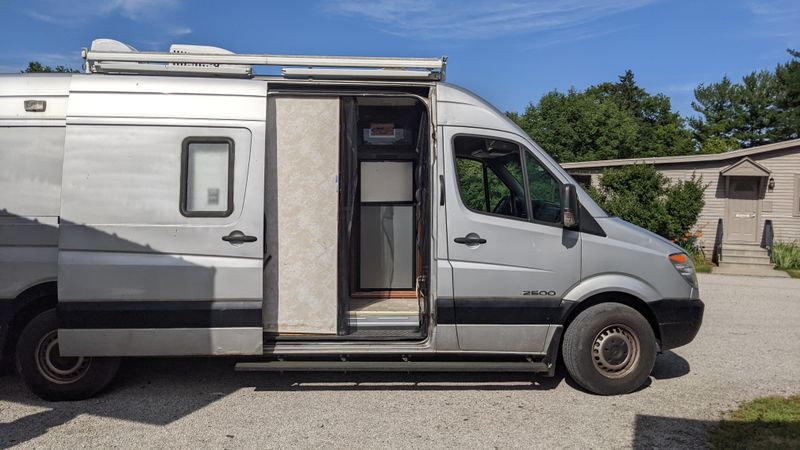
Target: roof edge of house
684,158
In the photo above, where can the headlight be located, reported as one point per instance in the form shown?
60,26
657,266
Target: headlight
685,266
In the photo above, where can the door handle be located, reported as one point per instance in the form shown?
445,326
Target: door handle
470,239
237,237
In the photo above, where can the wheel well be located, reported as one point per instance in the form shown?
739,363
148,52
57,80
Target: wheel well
615,297
28,305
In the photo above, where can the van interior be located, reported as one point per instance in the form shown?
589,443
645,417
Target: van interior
386,245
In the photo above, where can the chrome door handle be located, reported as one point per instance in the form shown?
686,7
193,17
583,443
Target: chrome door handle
237,237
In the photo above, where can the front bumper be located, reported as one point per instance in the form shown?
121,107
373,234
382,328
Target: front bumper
678,320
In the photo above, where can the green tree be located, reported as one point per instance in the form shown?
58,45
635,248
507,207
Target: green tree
37,67
609,120
643,196
763,108
788,101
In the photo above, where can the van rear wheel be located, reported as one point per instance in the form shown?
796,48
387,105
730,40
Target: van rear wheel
609,349
52,376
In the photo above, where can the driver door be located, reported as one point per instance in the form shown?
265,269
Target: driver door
512,260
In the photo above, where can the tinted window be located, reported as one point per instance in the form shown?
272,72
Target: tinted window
545,192
489,175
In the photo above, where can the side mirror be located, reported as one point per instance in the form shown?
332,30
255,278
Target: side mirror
569,206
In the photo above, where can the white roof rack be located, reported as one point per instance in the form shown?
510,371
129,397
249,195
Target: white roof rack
110,56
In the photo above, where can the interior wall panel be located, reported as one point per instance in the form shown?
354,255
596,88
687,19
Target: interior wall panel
302,215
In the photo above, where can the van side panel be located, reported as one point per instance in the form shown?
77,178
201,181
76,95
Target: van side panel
31,154
30,187
139,273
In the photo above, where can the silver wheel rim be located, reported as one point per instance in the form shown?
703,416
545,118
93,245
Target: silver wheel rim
616,351
55,368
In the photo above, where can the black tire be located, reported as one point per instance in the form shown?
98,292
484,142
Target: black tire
54,378
609,349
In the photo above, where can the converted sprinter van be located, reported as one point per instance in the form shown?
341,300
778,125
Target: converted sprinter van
346,214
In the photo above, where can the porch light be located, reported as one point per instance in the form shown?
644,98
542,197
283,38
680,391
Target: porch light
771,184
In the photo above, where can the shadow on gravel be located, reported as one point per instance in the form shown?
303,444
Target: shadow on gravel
670,365
670,432
160,391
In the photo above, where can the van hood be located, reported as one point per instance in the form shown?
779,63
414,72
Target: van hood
621,230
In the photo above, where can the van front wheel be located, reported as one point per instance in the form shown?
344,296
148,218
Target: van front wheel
52,376
609,349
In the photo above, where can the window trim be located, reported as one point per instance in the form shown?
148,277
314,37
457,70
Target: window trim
796,202
185,174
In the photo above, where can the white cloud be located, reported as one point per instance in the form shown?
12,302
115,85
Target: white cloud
138,9
776,18
67,12
478,19
180,31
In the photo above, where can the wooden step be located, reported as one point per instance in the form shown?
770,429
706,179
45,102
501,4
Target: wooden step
759,259
749,252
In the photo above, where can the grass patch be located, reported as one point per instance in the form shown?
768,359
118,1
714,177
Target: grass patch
702,266
765,423
786,255
794,273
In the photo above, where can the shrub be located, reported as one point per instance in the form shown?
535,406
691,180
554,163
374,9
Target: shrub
786,255
645,197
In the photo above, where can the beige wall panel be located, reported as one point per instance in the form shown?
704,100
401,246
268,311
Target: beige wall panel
302,215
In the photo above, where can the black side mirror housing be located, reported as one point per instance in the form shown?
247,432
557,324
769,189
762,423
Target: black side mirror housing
569,206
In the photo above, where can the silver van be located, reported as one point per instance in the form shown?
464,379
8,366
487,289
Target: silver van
344,214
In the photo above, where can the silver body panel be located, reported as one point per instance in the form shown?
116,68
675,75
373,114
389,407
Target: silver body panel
166,341
88,194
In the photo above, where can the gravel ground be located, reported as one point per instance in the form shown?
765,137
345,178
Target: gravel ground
749,346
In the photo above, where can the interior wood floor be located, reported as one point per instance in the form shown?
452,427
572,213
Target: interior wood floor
384,305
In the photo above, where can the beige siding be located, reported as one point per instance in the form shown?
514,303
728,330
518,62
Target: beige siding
714,196
784,165
778,204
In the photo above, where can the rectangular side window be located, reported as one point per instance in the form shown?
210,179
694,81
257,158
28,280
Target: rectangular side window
207,177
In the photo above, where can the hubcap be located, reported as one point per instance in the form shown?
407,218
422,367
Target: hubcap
56,368
615,351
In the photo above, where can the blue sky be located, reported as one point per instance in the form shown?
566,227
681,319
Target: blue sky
510,52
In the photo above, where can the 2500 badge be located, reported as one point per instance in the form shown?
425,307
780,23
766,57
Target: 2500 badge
540,293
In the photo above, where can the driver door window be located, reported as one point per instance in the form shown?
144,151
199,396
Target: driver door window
490,176
545,192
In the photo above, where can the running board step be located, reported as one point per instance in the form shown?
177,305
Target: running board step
391,366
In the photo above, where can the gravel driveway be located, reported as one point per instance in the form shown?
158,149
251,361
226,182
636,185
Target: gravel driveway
749,346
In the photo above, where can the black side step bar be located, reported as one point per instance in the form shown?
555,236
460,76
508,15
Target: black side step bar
392,366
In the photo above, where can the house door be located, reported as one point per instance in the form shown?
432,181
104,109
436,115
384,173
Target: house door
743,208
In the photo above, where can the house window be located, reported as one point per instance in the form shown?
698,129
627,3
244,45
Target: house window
207,177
